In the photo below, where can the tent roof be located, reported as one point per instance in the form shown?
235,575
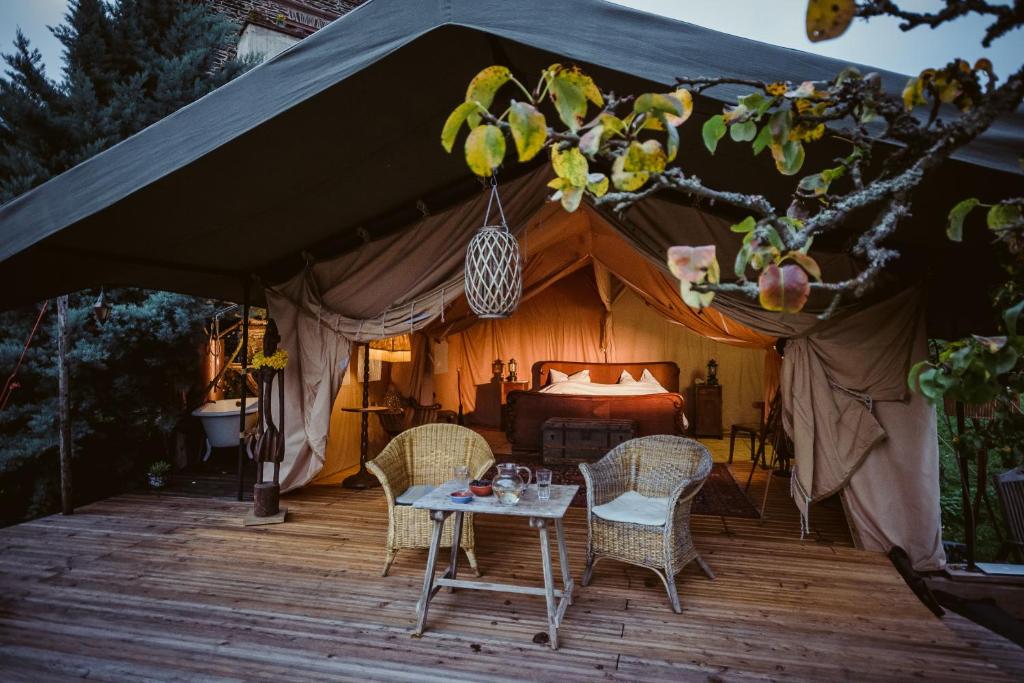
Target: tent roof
335,141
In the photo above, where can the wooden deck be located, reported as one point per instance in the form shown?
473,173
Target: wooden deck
171,586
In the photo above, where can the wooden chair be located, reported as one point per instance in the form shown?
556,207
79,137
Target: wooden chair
414,463
754,431
1010,488
638,506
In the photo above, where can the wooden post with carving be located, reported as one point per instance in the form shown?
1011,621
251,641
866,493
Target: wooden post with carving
269,439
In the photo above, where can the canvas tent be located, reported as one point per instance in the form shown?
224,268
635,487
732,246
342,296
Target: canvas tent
323,160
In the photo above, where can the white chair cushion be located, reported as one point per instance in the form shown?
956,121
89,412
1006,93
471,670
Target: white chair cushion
633,508
414,493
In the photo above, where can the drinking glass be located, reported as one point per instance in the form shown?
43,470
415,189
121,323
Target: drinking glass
461,475
543,484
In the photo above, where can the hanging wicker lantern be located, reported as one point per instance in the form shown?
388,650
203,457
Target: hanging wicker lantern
494,272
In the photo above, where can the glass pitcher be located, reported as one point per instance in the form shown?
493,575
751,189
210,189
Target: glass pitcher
509,486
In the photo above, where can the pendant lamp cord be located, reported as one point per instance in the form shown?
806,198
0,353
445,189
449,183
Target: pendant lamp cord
491,201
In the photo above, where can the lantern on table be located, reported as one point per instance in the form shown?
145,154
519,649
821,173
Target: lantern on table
712,378
494,272
497,370
512,367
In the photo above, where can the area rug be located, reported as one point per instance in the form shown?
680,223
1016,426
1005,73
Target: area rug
720,496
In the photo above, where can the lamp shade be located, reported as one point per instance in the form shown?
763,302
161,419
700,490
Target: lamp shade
392,349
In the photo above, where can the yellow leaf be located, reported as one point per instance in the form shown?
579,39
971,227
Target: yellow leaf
485,149
454,123
827,19
571,165
624,180
686,99
649,156
597,184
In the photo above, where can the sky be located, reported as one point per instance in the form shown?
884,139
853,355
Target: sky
877,42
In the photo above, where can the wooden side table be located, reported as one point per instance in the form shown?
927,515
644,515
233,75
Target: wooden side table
506,389
541,513
707,410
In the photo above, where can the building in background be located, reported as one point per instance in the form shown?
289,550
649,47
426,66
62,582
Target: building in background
267,27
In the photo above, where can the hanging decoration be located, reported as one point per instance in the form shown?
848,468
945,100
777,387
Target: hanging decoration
494,271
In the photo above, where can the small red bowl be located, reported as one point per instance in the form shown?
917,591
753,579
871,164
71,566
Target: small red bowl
481,488
461,496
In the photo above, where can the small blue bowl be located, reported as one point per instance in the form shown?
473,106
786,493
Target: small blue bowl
461,496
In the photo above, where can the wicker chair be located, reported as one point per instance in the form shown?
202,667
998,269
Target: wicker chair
637,528
423,457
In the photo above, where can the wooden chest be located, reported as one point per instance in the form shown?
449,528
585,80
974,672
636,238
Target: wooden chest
577,439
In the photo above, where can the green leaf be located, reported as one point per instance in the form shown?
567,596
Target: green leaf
742,261
1002,216
483,88
713,131
789,157
1010,316
570,89
772,235
654,103
485,149
744,226
955,227
454,123
779,124
529,129
571,165
743,132
763,139
597,184
671,138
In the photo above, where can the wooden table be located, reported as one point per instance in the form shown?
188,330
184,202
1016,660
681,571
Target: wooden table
363,479
541,514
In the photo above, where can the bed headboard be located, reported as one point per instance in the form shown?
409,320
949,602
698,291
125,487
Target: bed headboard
666,372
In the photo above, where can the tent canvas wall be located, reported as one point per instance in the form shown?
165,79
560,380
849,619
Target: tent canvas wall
230,188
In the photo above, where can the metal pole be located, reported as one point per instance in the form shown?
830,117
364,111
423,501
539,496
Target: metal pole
245,377
64,407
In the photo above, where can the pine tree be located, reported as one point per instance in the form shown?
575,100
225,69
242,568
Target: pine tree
126,64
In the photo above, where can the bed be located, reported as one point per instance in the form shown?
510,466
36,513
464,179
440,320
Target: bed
655,413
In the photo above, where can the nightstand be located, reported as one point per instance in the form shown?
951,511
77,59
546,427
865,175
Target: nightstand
707,410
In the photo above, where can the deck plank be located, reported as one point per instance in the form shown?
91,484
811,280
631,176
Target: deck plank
172,587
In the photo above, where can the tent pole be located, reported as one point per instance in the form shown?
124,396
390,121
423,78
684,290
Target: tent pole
64,407
245,377
965,487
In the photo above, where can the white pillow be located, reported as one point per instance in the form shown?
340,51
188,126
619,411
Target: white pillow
556,376
648,378
626,378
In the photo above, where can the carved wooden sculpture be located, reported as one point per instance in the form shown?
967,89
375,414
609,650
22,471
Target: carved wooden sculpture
269,445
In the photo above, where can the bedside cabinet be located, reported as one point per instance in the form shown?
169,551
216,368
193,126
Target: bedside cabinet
707,410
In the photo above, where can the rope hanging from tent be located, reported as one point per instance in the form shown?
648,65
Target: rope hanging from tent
494,271
10,385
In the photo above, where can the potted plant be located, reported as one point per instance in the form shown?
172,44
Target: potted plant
157,474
